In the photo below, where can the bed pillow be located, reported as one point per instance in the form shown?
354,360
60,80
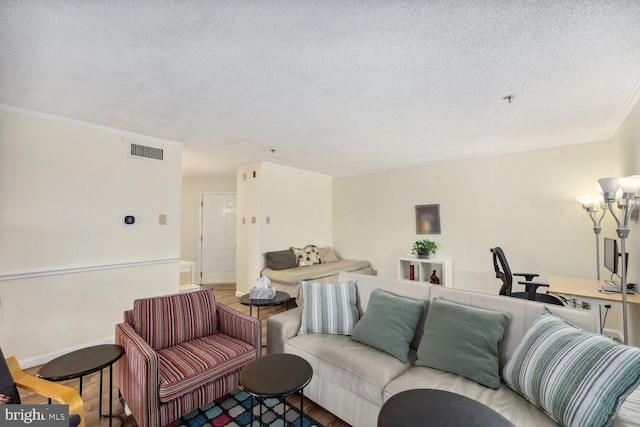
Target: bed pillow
389,323
576,377
281,260
463,340
328,309
307,256
327,255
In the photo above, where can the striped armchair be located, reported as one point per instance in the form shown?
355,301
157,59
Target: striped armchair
182,351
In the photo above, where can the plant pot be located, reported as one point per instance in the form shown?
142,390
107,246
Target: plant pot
423,255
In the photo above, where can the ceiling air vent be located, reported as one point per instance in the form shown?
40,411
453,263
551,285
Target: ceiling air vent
138,150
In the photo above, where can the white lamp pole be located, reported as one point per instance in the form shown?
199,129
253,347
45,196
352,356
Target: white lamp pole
628,202
591,204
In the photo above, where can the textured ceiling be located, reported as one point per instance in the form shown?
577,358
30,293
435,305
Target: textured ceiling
336,87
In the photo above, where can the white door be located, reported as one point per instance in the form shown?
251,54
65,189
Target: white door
218,240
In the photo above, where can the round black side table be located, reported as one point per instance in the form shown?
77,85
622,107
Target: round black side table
83,362
278,299
276,375
428,407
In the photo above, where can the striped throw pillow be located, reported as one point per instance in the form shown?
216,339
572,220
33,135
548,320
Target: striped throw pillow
577,378
329,309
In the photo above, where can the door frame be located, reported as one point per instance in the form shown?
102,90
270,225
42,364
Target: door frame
200,227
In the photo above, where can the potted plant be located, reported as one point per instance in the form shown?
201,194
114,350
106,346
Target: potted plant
422,248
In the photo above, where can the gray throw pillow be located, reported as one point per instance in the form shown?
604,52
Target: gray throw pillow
463,340
389,323
281,260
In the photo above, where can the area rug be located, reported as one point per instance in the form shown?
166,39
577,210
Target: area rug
235,410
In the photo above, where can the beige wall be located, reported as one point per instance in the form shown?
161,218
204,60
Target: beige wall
298,205
523,202
69,266
627,149
192,190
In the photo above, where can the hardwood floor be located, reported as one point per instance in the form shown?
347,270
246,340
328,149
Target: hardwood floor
225,294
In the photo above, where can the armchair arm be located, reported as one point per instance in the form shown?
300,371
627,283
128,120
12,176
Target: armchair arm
240,326
55,391
137,375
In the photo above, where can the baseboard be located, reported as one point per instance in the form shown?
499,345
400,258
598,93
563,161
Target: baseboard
41,360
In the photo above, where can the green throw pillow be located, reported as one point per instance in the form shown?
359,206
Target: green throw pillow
389,323
463,340
576,377
328,309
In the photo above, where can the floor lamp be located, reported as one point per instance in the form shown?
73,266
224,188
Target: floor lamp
627,203
591,205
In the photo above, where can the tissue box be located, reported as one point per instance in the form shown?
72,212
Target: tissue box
262,293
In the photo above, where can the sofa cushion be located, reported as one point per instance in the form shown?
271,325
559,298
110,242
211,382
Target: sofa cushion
281,260
352,366
188,366
328,309
578,378
463,340
307,256
170,320
389,323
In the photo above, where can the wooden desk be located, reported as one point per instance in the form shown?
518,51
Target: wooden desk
588,290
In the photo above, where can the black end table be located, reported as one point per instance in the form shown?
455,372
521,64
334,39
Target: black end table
278,299
427,407
276,375
83,362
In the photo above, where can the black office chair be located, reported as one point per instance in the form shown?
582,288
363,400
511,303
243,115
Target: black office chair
500,261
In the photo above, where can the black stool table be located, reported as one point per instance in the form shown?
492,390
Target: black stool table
427,407
276,375
278,299
83,362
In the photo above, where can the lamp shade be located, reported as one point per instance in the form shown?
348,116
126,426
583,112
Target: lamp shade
630,184
609,187
587,201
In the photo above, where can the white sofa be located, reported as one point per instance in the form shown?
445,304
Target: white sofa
353,380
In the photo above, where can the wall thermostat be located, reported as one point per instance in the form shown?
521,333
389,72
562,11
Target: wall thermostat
129,219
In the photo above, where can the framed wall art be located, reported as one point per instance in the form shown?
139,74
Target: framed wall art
428,219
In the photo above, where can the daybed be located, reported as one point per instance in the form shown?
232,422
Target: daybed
285,273
353,380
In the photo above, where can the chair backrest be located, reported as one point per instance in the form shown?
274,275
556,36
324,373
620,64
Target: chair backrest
170,320
7,384
503,272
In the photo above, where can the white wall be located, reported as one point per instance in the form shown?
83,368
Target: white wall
192,189
298,205
69,266
523,202
627,149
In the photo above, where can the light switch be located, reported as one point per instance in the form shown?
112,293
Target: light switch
244,220
253,220
268,220
162,219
